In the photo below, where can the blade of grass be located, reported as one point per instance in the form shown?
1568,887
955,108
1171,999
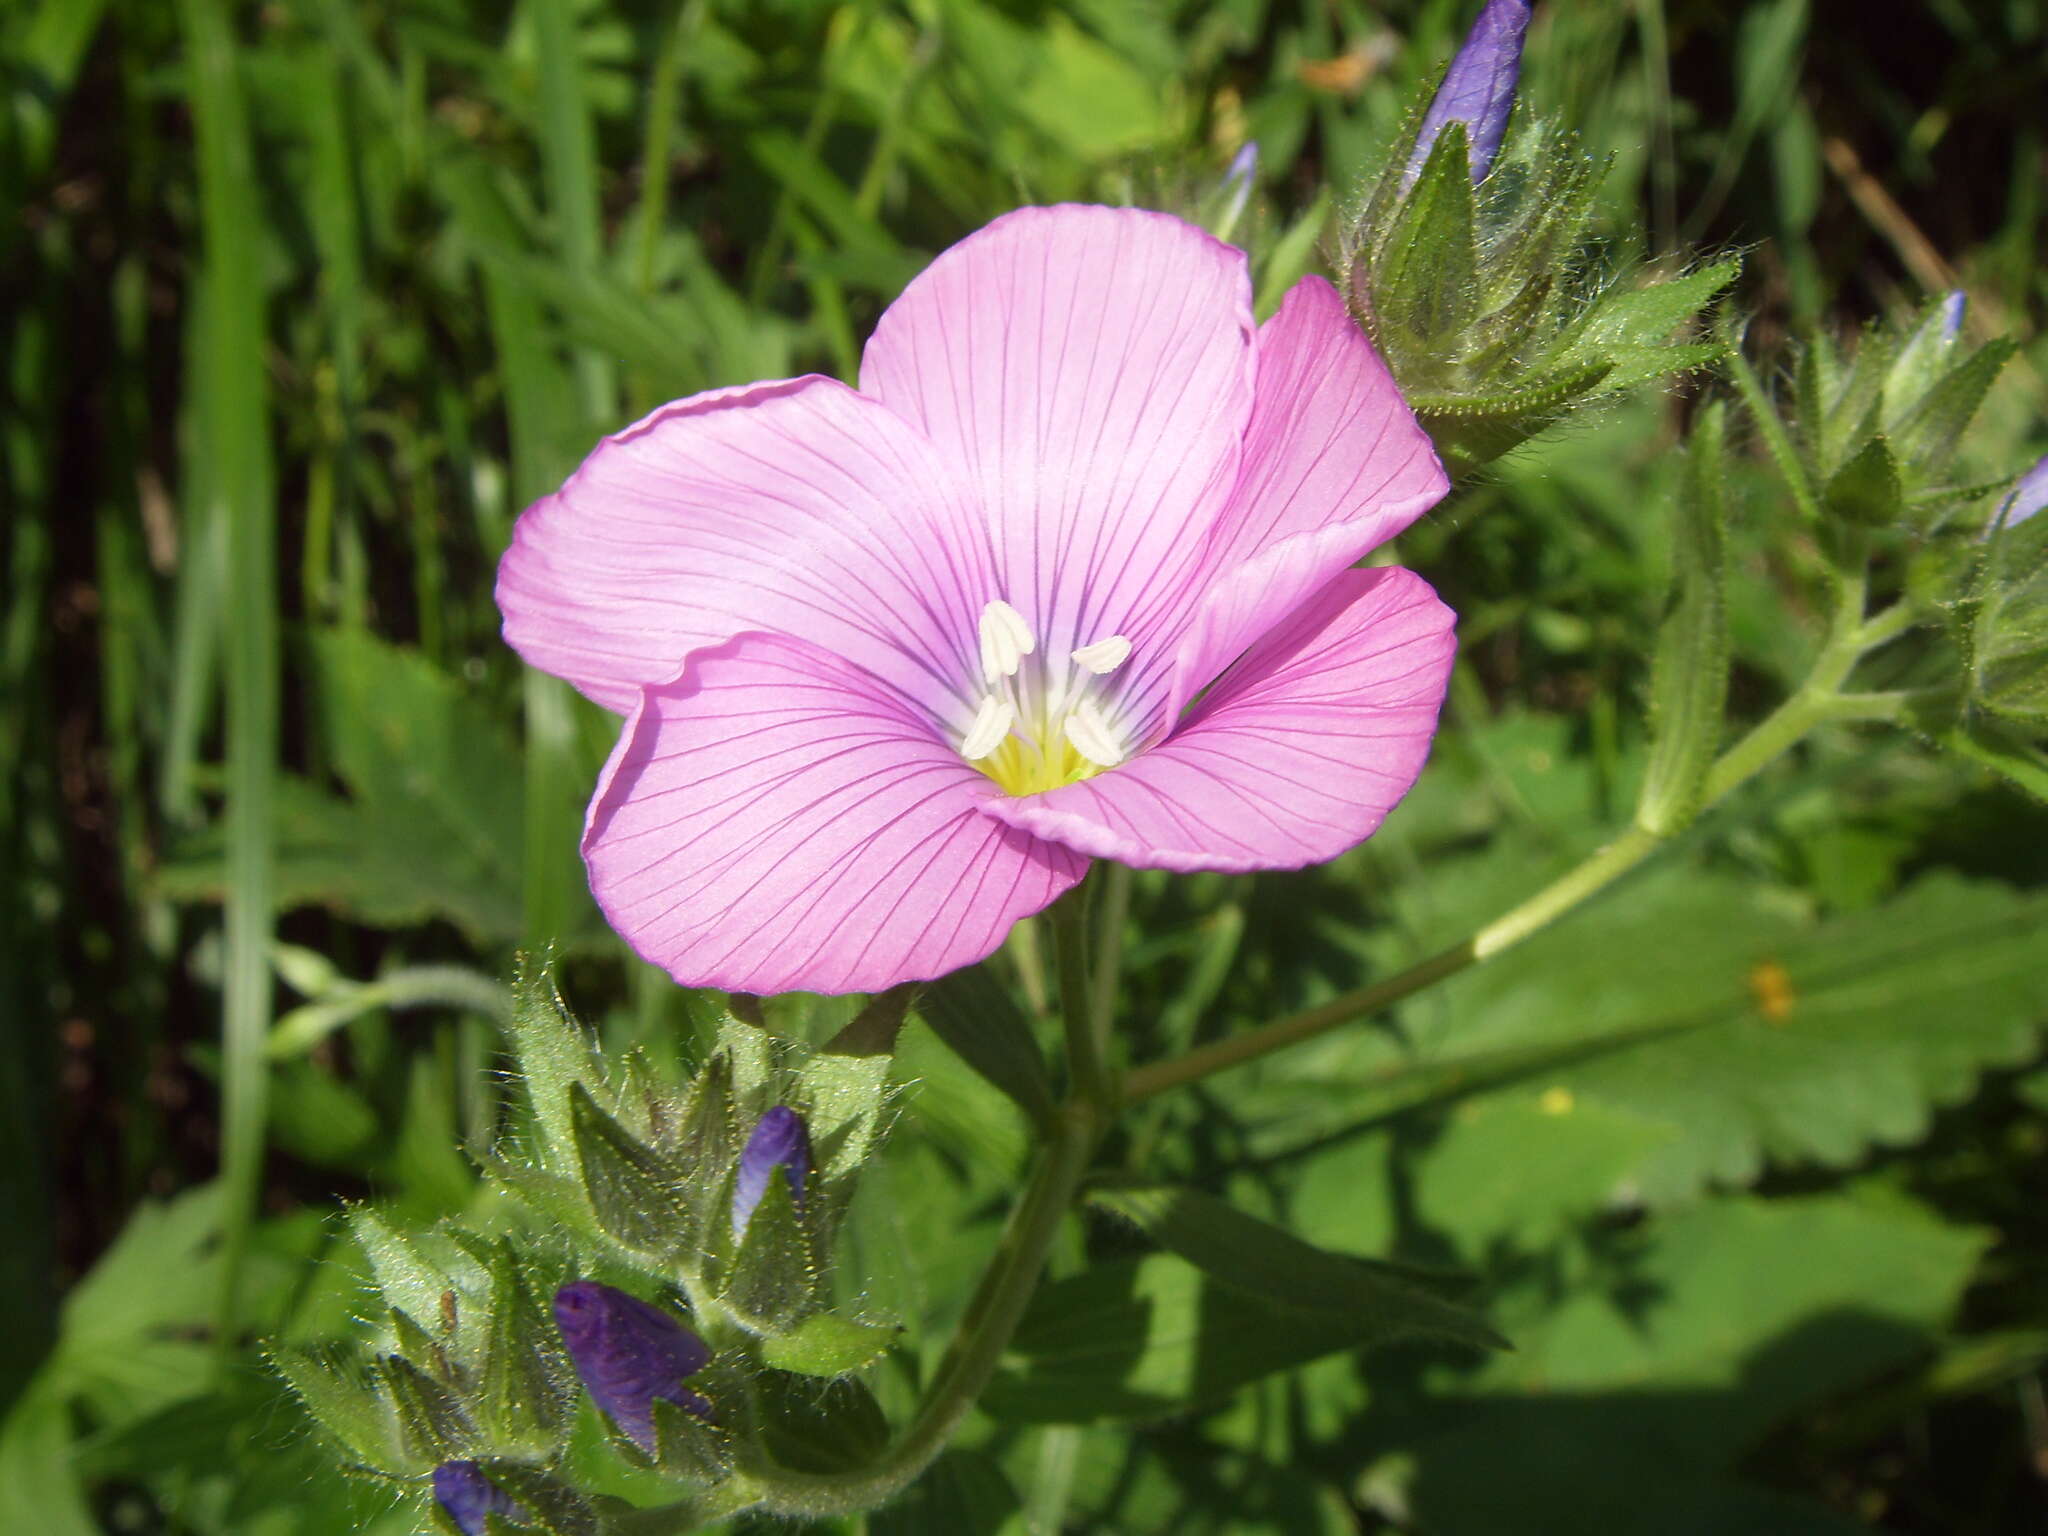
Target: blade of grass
235,441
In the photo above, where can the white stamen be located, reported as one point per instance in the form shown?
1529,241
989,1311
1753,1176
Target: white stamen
1091,736
1005,641
992,723
1104,656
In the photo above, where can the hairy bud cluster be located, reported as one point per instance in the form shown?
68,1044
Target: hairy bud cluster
1468,263
706,1208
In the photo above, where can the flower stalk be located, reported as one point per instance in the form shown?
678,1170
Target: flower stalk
1818,700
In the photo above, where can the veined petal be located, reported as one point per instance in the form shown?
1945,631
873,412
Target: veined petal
797,506
1296,755
1089,370
1335,464
774,820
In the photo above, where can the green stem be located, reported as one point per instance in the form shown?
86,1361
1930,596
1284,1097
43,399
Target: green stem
1090,1080
978,1345
1817,700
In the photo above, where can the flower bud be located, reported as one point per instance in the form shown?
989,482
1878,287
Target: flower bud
1236,189
628,1354
461,1489
2029,496
1478,89
779,1141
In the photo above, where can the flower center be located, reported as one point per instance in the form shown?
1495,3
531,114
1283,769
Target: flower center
1042,723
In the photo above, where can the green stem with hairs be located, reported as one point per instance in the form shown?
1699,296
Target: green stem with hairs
1816,701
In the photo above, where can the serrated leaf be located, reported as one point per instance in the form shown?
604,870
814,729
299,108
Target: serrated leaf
1866,489
1693,1004
634,1193
1689,669
773,1281
974,1014
1274,1266
826,1344
410,1281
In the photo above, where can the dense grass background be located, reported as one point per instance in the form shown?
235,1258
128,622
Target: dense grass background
303,302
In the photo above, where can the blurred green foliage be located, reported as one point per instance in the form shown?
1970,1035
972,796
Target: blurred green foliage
302,303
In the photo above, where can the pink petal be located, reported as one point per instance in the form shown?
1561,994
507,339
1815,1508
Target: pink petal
775,820
1335,464
1090,371
796,505
1296,755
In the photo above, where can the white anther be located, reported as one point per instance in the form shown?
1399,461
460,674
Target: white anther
1104,656
1091,736
992,723
1005,641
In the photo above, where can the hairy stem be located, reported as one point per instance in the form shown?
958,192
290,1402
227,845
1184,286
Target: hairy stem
1816,700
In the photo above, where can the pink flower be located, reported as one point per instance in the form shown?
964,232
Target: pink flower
1067,578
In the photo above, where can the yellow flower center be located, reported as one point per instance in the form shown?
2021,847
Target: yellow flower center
1041,727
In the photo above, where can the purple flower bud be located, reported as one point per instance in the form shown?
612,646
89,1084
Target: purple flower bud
1478,90
2027,498
778,1142
1237,184
628,1354
461,1488
1952,309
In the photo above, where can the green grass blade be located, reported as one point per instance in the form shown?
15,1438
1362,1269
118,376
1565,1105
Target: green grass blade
234,440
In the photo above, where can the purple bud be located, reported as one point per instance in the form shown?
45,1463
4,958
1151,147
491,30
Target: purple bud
461,1488
778,1142
628,1354
2027,498
1478,90
1237,183
1952,309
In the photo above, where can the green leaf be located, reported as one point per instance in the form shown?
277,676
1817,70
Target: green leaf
2020,762
1637,1392
636,1195
1424,278
340,1393
689,1446
1646,316
431,1423
1866,489
1147,1338
1928,436
963,1493
1692,1003
774,1278
519,1392
1689,669
1274,1266
554,1054
826,1344
974,1014
559,1509
2008,644
820,1427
